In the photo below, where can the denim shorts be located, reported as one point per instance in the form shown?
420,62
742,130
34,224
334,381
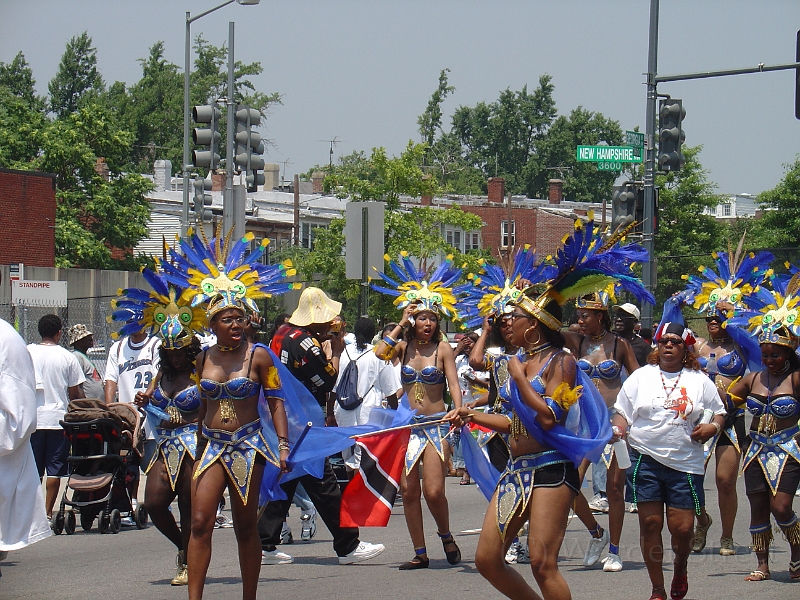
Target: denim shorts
650,481
50,451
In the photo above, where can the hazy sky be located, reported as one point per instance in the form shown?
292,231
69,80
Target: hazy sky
362,71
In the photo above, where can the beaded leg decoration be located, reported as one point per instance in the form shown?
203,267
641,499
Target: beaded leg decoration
791,530
762,537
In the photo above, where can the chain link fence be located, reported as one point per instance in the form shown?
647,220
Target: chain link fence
92,312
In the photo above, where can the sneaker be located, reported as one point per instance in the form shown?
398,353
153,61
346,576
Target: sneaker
182,576
127,522
726,547
612,563
700,534
286,534
222,522
365,551
595,549
523,558
275,557
308,523
599,504
633,508
512,556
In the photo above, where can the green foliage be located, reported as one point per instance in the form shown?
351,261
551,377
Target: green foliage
686,237
430,121
779,227
77,76
22,114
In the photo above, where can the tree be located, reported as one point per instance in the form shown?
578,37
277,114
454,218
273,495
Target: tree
779,227
22,115
430,121
686,237
77,76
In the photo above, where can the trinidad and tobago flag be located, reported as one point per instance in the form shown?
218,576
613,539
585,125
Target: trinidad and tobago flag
368,499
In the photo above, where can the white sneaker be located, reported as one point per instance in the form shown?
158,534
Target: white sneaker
308,522
612,563
599,504
365,551
513,553
595,549
275,557
286,534
633,508
222,522
522,556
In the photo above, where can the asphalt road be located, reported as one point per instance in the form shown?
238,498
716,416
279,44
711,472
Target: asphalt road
140,564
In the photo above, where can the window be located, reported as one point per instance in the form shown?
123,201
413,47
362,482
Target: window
453,238
472,241
308,234
726,209
505,242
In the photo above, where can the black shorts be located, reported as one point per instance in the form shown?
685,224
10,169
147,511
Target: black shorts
741,433
756,483
50,450
556,475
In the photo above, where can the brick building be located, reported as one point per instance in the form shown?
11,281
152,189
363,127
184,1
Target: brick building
28,217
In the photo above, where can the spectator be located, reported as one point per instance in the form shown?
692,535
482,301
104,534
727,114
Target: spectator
81,339
626,318
58,380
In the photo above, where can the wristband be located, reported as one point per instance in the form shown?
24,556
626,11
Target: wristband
283,443
389,341
717,425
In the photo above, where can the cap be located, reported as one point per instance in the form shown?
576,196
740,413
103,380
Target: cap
629,308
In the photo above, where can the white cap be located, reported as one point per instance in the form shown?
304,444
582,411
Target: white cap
628,308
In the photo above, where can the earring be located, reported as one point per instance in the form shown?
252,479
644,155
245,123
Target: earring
538,339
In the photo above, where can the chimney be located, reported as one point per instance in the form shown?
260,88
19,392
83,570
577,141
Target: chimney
101,168
426,200
218,181
497,189
555,191
317,178
272,176
162,175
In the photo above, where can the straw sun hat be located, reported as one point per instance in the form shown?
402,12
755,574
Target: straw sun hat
314,307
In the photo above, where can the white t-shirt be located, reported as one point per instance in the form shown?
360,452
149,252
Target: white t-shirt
469,379
56,369
133,367
376,380
661,415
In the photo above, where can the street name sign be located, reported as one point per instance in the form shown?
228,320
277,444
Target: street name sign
634,139
609,166
606,154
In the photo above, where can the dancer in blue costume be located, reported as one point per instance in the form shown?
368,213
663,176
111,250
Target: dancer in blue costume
232,449
171,402
716,295
771,463
427,362
555,419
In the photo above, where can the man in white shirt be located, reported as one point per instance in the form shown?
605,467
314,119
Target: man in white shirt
58,380
22,515
131,366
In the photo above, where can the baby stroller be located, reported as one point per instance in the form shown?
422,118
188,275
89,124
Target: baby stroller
106,442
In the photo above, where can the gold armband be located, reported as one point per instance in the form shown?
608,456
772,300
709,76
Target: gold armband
273,379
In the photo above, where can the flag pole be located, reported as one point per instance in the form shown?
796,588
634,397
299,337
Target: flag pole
401,427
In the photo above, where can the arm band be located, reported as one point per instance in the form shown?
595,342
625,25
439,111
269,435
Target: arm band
389,341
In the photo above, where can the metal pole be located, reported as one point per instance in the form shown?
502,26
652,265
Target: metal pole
186,67
228,216
296,209
364,260
649,269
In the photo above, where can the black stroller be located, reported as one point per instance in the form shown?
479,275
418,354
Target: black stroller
105,444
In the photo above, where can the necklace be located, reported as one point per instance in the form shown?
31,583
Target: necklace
721,340
537,349
598,337
422,342
664,383
228,348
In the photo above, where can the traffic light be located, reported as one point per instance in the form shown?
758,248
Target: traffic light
249,146
670,134
207,136
623,206
201,199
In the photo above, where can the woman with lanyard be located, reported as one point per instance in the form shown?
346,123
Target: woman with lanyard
771,463
171,402
602,355
547,438
667,410
427,362
233,375
717,295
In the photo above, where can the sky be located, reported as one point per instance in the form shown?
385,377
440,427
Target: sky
362,71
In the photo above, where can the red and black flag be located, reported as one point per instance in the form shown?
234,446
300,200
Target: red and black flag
368,499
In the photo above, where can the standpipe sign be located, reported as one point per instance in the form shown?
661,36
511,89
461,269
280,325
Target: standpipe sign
39,293
606,154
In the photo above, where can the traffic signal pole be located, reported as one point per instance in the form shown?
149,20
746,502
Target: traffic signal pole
228,213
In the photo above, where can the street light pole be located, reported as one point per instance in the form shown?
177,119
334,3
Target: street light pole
186,70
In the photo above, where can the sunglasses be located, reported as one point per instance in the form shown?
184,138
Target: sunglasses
673,341
237,320
713,320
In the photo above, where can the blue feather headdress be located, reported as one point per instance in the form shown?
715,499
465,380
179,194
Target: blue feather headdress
223,274
430,291
773,315
586,264
495,288
735,278
161,311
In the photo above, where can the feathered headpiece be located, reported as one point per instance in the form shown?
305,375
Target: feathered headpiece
734,279
430,292
586,264
773,315
162,312
493,290
218,273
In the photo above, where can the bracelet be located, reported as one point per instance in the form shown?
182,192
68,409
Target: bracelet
717,425
389,341
283,443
